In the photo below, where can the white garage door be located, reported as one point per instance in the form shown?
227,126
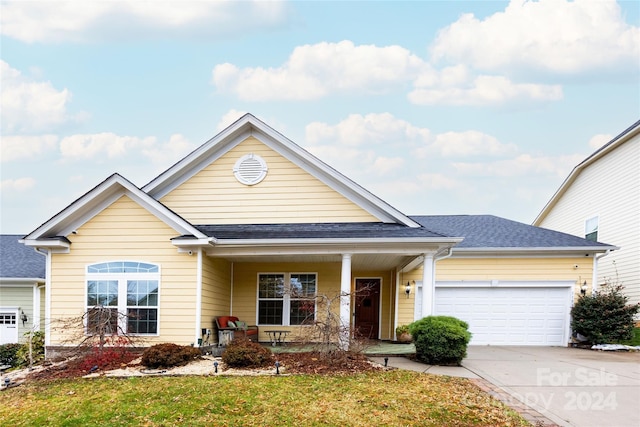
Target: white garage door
509,315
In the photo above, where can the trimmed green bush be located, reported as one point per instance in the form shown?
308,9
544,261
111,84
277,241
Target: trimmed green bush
244,353
604,317
440,340
8,354
168,355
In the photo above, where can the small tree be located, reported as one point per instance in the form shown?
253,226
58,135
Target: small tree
604,317
99,335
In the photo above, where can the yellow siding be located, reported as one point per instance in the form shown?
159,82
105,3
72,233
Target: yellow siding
288,194
126,231
501,269
216,291
245,289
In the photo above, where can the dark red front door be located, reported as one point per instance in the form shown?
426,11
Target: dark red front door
367,307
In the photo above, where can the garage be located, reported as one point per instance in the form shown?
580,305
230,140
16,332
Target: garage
513,313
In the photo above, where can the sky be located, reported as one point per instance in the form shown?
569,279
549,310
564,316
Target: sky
436,107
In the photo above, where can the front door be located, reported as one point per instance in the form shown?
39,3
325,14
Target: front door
367,308
8,326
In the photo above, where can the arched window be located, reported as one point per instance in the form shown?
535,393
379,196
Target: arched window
123,297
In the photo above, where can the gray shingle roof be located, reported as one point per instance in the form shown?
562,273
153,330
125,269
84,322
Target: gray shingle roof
488,231
316,231
478,231
18,260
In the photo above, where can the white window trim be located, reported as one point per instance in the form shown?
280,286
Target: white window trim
597,229
122,278
286,298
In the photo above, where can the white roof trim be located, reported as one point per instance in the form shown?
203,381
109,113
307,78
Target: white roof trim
625,136
249,125
94,202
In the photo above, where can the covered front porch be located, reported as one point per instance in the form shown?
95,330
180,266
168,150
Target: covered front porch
293,283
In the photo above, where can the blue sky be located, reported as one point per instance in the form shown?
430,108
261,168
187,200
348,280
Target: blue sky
436,107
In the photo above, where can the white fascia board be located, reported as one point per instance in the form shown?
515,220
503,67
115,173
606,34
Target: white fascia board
20,282
94,202
601,152
189,166
54,245
249,125
334,179
538,251
328,246
193,243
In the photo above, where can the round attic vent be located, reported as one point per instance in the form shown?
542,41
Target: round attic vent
250,169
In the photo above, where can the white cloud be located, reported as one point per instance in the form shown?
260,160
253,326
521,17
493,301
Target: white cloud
372,128
228,119
25,147
469,143
89,146
313,71
168,153
28,105
86,21
522,165
552,35
20,184
485,90
599,140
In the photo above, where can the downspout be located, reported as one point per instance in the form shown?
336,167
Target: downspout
198,299
594,279
231,294
395,320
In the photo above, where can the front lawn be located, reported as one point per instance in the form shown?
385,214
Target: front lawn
374,398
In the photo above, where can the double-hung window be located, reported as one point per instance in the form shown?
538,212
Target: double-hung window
591,229
286,299
122,297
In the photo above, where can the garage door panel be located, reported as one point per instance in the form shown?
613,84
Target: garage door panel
508,316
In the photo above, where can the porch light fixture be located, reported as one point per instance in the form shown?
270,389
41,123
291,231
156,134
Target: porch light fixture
24,318
407,289
583,288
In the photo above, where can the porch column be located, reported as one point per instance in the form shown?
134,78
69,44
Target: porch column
345,301
428,285
198,319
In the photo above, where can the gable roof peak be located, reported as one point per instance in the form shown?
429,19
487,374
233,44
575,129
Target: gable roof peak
250,126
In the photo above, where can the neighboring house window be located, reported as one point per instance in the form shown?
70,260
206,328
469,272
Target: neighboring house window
591,229
122,297
286,299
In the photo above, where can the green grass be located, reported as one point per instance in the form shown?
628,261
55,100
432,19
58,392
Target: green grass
384,398
635,340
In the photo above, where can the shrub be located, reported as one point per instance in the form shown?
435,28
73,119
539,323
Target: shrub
243,353
37,349
8,354
110,355
440,340
168,355
604,317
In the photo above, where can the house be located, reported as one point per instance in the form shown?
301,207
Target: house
251,225
21,289
600,201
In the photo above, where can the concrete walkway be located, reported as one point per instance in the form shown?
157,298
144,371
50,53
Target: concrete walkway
552,385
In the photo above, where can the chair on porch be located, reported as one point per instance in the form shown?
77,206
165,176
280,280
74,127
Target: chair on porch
239,328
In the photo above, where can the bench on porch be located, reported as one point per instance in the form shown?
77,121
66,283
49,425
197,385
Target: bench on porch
238,327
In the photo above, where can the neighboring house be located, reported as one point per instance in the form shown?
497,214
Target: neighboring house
600,200
252,225
21,289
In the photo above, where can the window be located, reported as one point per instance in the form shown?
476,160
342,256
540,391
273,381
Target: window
286,299
591,229
122,296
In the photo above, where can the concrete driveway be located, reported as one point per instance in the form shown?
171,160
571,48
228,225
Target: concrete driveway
571,387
